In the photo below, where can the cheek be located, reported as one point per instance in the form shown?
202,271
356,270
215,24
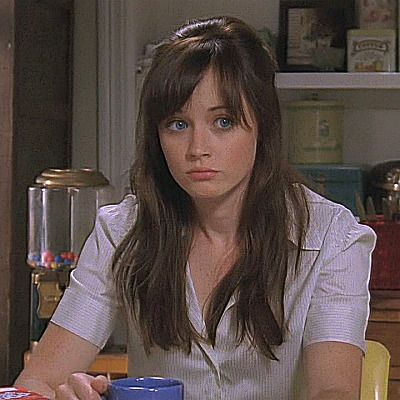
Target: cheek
171,154
166,149
243,154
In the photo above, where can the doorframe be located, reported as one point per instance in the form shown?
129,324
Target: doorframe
116,94
6,183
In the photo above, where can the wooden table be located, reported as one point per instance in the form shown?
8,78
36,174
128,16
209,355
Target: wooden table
115,365
384,326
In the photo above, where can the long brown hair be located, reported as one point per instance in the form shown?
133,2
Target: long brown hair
150,264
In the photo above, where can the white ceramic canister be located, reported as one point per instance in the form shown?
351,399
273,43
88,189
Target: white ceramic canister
315,132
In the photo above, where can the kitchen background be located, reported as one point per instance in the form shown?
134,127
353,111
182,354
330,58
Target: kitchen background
371,117
108,38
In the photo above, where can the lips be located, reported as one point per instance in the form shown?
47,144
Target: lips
202,174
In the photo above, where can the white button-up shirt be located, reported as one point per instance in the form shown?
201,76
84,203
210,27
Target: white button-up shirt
326,300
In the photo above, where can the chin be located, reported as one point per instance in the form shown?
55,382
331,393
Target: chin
208,195
204,195
202,190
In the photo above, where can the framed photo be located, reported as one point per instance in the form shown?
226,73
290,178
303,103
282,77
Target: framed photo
312,34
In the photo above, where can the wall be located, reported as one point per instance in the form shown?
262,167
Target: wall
168,14
84,114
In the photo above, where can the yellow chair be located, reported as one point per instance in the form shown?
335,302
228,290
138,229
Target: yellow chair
375,372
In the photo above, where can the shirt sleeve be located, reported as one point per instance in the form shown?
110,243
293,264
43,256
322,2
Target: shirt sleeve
339,308
89,307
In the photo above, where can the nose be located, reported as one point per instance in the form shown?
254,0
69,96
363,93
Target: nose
199,146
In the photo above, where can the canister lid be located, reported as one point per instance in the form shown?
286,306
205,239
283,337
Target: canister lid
386,175
71,178
315,104
371,32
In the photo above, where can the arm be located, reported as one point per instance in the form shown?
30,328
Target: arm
333,371
88,308
334,335
56,360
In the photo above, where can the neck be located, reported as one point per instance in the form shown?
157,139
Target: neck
219,219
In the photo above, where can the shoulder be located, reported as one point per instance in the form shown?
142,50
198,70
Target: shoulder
332,224
115,220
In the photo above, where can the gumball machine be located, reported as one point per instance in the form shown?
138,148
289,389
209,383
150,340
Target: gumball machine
62,206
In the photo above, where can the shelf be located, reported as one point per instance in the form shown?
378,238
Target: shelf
338,80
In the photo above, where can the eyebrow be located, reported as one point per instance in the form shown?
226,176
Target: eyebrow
219,107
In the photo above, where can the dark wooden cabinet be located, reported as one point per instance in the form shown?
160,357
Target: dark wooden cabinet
35,134
384,326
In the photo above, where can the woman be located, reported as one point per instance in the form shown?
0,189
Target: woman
234,279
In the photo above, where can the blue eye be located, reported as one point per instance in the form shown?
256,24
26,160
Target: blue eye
224,123
177,125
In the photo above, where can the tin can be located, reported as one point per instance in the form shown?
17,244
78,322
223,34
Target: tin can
315,132
8,393
371,50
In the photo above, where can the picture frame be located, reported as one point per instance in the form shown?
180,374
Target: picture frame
312,34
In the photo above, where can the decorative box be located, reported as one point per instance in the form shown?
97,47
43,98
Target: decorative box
385,271
337,182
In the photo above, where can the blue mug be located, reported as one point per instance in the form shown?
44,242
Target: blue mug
147,388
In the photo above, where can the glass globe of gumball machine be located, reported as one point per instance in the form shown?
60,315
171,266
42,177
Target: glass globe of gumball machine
62,208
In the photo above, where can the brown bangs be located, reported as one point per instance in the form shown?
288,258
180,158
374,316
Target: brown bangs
231,88
171,84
